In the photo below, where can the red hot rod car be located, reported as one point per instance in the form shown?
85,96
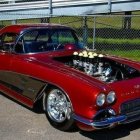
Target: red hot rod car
46,62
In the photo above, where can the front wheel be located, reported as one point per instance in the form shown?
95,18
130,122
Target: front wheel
58,109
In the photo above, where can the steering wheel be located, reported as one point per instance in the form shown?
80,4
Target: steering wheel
59,46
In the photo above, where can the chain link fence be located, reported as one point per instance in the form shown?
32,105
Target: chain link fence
115,34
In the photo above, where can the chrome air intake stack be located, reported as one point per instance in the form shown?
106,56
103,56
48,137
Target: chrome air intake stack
75,59
100,66
89,65
84,61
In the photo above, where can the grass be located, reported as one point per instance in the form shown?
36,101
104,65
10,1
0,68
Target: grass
135,41
133,54
130,54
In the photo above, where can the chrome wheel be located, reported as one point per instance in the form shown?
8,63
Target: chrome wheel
58,106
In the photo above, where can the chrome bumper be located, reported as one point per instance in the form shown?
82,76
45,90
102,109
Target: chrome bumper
103,119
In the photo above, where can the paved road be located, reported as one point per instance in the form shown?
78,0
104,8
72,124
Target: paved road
20,123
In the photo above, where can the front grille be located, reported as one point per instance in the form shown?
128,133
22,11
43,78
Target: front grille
130,107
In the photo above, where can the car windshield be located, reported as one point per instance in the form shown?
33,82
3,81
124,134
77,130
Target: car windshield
42,40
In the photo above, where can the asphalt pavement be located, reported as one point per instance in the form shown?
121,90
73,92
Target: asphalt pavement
19,123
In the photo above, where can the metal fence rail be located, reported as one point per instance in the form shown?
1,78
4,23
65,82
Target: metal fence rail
23,9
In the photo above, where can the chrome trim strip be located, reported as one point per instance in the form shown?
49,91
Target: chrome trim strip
41,93
101,124
82,120
110,121
16,99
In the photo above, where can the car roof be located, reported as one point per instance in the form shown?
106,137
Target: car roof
20,27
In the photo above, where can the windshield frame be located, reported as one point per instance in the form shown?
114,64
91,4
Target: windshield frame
24,32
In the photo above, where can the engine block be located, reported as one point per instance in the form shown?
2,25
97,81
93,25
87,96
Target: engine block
99,66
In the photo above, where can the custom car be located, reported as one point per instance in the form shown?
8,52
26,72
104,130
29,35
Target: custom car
75,86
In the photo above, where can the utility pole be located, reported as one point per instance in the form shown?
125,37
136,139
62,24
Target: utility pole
94,33
127,20
50,7
47,19
109,6
85,32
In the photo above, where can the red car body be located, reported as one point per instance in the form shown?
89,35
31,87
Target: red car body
25,75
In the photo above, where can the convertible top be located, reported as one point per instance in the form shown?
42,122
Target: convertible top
20,27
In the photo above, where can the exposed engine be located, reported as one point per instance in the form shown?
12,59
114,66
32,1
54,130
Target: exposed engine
100,67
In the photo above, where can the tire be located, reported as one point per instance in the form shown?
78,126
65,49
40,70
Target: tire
58,109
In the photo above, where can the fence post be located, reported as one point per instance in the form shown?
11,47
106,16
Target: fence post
50,7
47,19
13,21
94,33
109,6
127,20
85,27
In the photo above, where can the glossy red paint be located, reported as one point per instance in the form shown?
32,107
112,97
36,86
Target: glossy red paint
45,69
69,47
20,98
80,88
20,27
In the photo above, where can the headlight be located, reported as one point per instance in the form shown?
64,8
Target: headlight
100,100
111,97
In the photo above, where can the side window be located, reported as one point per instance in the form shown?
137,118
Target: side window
43,36
19,46
55,37
30,36
63,37
7,41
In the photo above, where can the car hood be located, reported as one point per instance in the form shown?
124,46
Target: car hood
47,60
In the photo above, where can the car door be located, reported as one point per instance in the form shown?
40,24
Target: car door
22,80
6,42
10,81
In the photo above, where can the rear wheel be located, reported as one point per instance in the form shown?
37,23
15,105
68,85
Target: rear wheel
58,109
